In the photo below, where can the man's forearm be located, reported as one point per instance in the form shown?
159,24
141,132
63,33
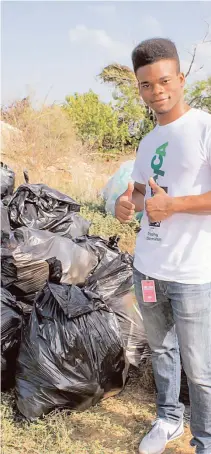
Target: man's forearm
138,200
192,204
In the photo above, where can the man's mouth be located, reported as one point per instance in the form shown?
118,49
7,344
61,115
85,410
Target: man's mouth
159,101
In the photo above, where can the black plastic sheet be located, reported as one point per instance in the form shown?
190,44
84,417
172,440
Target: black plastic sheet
39,245
40,207
113,282
5,223
7,179
11,323
71,353
21,273
104,250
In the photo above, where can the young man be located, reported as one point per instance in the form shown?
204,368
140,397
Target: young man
172,172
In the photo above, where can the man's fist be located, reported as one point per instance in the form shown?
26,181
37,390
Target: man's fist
160,206
124,207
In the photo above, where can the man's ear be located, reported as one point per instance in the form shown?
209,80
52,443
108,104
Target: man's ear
182,79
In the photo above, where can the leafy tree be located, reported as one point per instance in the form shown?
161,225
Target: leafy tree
199,95
97,123
131,110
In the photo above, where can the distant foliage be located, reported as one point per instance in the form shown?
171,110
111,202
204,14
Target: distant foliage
97,123
199,95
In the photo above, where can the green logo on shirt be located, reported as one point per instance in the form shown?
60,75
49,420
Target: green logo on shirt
157,161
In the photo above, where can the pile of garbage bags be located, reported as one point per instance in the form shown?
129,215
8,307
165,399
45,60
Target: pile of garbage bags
71,324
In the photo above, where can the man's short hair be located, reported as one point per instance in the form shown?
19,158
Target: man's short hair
153,50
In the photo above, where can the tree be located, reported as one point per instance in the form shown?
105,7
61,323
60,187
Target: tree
199,95
127,102
97,123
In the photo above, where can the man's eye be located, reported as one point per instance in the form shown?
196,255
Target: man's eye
145,86
165,81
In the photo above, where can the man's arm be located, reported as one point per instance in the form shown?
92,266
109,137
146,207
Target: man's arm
161,206
192,204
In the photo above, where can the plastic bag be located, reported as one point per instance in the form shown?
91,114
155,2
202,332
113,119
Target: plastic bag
116,185
77,263
8,269
40,207
104,250
28,264
71,353
113,282
7,180
5,223
11,323
23,274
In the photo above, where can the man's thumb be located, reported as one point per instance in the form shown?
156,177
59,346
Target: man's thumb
154,186
129,192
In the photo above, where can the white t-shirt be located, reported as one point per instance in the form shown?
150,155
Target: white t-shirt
178,156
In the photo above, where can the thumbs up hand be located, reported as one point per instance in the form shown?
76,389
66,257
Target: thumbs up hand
125,208
155,187
160,206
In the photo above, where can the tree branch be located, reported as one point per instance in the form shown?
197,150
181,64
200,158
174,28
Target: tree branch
204,40
192,61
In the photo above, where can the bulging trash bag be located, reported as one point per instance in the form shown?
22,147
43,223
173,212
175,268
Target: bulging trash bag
113,278
113,282
8,269
26,266
5,223
39,207
7,180
71,353
104,250
116,185
22,278
11,323
77,263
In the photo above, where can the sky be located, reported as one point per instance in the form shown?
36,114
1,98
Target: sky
51,49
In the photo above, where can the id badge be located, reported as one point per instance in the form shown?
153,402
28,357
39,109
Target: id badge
148,291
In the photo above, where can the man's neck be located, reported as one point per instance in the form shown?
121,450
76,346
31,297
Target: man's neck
174,114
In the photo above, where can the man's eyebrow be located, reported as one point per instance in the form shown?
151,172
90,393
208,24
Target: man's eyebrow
161,78
165,77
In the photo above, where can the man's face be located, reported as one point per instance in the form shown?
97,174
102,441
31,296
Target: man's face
160,85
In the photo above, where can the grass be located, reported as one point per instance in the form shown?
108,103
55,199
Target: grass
114,426
52,154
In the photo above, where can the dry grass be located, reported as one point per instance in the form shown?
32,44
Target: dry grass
114,426
51,153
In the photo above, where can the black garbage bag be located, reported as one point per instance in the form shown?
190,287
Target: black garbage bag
11,323
5,223
113,278
6,200
39,245
8,271
71,353
27,310
39,207
7,180
32,277
8,268
113,282
24,274
104,250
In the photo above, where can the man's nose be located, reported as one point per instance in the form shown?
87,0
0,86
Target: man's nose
157,89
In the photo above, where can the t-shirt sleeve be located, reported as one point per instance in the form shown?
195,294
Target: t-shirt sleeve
138,174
